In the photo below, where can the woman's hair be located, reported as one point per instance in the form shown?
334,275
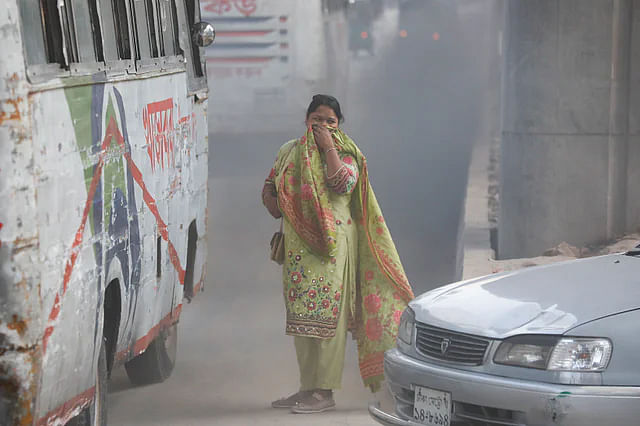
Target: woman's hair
326,100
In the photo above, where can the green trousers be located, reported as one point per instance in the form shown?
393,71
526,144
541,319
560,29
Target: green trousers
321,361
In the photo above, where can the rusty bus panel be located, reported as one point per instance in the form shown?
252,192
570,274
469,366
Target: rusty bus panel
103,172
20,302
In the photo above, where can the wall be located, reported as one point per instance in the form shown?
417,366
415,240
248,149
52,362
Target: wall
570,122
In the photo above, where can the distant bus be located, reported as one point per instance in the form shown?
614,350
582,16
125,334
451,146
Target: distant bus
103,197
270,56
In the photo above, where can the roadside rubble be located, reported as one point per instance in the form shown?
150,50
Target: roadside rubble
564,252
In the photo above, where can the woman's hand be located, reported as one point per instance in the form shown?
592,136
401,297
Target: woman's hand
270,200
323,137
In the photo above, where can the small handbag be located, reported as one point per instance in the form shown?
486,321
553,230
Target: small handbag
277,246
277,241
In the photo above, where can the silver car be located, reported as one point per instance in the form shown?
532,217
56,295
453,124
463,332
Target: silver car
557,344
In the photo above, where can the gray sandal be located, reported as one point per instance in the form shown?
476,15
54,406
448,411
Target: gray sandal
317,401
290,401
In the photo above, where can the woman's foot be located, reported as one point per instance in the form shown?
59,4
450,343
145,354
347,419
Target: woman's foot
290,401
315,401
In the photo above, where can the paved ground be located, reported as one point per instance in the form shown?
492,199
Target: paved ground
413,109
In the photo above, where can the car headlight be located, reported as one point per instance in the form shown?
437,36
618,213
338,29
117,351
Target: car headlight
407,323
525,351
555,353
573,354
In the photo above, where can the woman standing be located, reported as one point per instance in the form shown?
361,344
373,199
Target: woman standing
341,269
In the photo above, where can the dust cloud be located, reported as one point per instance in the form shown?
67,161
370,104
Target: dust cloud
413,78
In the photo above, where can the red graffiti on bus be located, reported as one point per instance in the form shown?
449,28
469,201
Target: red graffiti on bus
220,7
159,134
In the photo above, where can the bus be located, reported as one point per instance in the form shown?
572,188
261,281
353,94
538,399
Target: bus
270,57
103,197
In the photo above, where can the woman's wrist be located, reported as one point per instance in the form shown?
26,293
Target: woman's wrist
333,148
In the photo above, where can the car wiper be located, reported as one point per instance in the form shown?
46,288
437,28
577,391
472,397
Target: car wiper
634,252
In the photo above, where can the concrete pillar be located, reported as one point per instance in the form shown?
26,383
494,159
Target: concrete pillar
633,148
619,118
565,120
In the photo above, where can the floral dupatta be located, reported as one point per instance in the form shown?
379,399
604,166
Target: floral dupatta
303,196
382,288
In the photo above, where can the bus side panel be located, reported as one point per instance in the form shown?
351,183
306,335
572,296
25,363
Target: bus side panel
121,173
198,196
150,115
68,178
92,178
20,315
170,172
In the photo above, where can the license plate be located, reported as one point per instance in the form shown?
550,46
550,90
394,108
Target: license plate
432,407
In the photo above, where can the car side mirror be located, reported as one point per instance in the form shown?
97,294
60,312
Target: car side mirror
203,34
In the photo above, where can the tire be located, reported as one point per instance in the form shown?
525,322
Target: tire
156,363
96,413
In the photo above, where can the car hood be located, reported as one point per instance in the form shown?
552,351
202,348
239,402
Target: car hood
550,299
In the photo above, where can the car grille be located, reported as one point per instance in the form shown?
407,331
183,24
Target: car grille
478,414
449,345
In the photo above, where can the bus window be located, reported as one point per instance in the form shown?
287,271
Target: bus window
109,39
97,30
167,27
193,16
152,9
57,34
52,32
121,24
68,32
33,36
146,44
86,25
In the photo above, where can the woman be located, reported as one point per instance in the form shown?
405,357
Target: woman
341,270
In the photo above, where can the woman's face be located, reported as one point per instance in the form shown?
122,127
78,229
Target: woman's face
323,116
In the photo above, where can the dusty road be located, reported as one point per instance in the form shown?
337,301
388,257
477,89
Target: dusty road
413,108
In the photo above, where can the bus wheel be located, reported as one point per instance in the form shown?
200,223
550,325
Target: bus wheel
156,363
96,413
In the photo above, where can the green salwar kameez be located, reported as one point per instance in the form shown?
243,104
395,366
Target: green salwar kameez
341,271
331,282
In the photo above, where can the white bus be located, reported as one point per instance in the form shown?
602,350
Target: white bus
270,57
103,196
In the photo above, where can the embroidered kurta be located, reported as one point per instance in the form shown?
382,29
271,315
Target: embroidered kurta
314,284
336,246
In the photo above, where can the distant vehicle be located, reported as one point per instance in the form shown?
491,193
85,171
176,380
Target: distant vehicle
547,345
360,16
437,18
377,5
103,198
269,58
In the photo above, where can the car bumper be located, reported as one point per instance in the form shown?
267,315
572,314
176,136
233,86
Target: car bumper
387,419
500,400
